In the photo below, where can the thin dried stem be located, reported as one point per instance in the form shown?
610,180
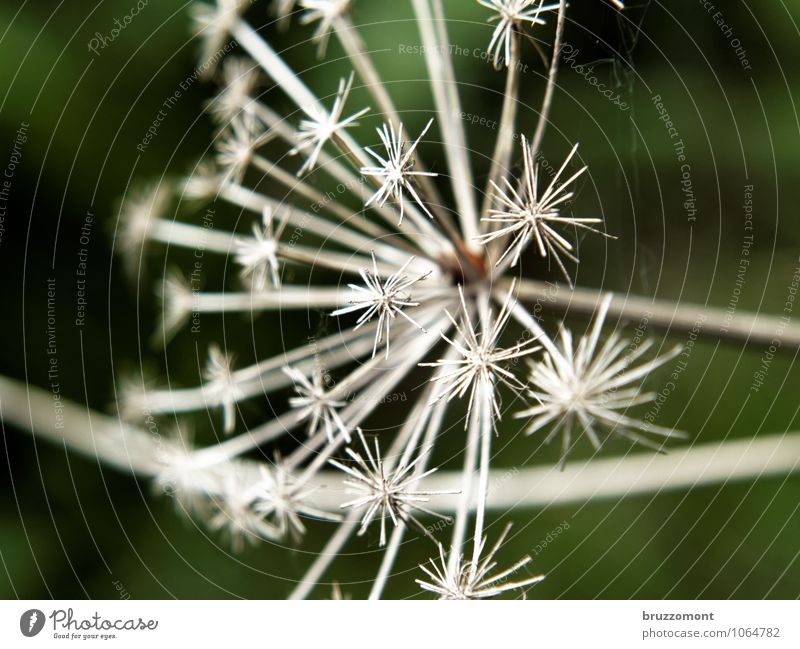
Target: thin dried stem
544,115
504,146
708,321
445,94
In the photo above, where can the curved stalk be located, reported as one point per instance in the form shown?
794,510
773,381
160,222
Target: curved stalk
708,321
505,137
132,449
547,102
354,47
448,106
636,474
69,424
434,424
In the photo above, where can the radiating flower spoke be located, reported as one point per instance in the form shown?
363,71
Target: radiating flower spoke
321,126
396,170
384,493
222,386
326,12
316,405
284,504
258,256
386,299
213,22
482,363
318,223
591,386
469,580
283,9
511,14
183,477
269,506
235,513
238,143
526,216
240,76
139,211
204,183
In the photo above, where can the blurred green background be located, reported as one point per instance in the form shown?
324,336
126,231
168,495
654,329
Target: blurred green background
70,528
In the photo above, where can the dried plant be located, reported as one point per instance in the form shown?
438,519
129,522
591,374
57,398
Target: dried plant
408,231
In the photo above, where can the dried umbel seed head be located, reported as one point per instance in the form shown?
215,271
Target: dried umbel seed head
416,277
592,385
384,491
510,16
474,579
415,264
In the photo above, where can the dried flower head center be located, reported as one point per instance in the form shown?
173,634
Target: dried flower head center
577,394
464,581
395,172
467,268
265,248
481,360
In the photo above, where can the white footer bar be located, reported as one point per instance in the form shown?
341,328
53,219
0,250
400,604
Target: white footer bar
406,625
